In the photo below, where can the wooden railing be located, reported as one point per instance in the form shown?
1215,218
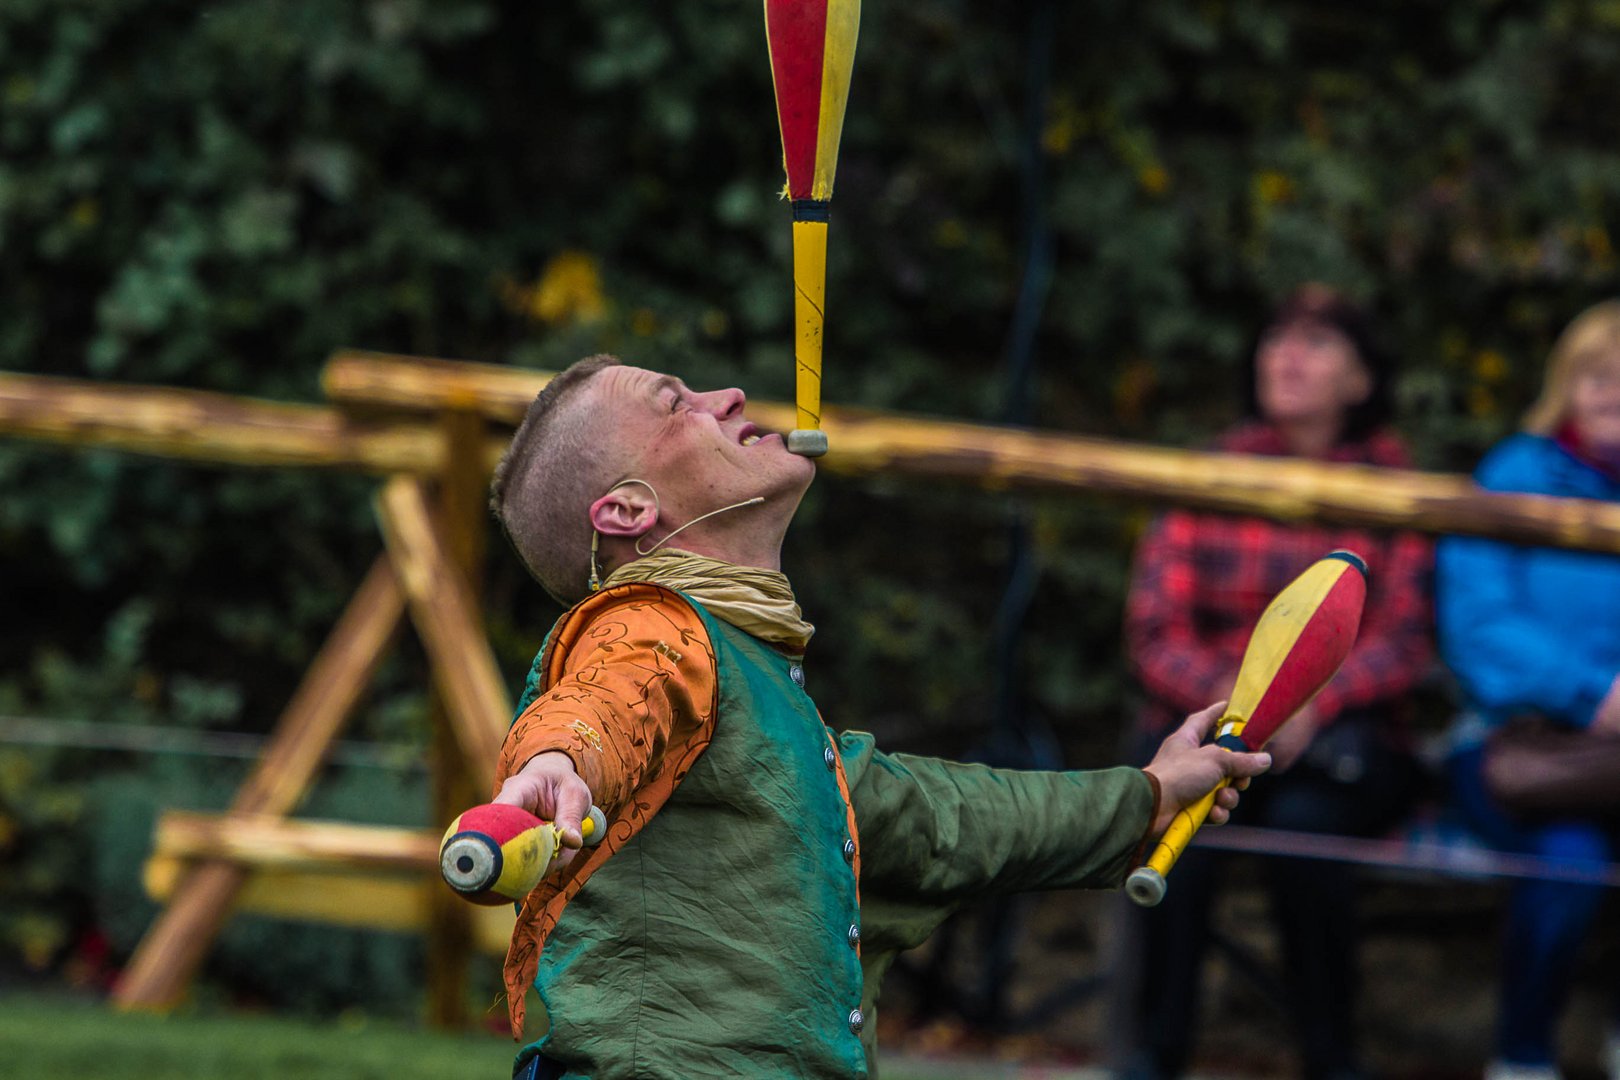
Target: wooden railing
385,405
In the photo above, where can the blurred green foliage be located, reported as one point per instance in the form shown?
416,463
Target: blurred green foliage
319,970
219,195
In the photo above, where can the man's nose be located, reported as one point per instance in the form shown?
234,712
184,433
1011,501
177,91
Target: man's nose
725,404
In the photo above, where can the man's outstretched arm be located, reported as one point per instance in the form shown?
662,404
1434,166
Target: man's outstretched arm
633,680
939,832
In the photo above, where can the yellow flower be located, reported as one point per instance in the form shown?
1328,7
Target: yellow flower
569,291
1598,247
37,939
950,233
1155,179
1064,126
19,90
1453,344
1490,366
85,213
1272,187
1133,389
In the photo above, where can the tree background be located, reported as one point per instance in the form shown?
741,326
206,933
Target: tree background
220,195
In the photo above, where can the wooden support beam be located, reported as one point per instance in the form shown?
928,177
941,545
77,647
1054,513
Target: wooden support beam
270,841
173,947
365,876
360,899
869,443
445,614
195,425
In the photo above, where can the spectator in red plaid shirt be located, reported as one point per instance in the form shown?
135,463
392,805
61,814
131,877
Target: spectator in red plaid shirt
1320,390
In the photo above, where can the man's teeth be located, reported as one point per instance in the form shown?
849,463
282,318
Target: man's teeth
750,440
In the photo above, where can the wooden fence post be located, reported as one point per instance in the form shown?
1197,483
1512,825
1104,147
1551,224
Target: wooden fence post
461,509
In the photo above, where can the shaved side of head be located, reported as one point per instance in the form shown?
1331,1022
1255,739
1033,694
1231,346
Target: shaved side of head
555,467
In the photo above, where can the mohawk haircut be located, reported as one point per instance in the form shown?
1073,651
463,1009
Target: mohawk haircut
543,487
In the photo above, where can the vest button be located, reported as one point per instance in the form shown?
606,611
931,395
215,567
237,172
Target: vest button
830,758
796,673
857,1020
849,851
854,935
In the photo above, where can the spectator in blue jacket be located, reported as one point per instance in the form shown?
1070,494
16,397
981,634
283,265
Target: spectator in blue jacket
1536,631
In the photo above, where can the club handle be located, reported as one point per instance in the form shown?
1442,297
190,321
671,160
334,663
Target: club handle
809,315
1146,885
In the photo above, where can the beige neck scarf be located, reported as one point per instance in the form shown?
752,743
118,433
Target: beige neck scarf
754,600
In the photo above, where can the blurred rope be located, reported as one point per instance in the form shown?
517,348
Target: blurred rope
1446,859
100,735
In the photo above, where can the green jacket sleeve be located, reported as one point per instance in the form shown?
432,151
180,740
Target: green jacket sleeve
935,834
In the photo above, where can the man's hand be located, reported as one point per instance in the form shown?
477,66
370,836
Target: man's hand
1606,721
1187,770
549,788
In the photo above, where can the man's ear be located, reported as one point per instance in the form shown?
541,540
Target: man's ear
629,511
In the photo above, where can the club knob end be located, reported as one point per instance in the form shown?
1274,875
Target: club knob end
807,443
1145,886
470,863
594,827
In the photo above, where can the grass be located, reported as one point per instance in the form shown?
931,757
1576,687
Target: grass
50,1038
53,1039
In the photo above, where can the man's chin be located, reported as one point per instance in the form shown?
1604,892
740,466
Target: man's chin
806,470
794,479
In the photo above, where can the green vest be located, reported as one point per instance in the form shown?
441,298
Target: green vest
720,940
717,941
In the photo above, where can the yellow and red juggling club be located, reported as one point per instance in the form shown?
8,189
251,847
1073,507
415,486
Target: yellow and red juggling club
812,46
497,853
1298,645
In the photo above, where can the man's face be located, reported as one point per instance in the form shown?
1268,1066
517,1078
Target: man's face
697,449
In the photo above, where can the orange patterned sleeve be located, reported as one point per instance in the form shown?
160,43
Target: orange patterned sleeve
630,677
